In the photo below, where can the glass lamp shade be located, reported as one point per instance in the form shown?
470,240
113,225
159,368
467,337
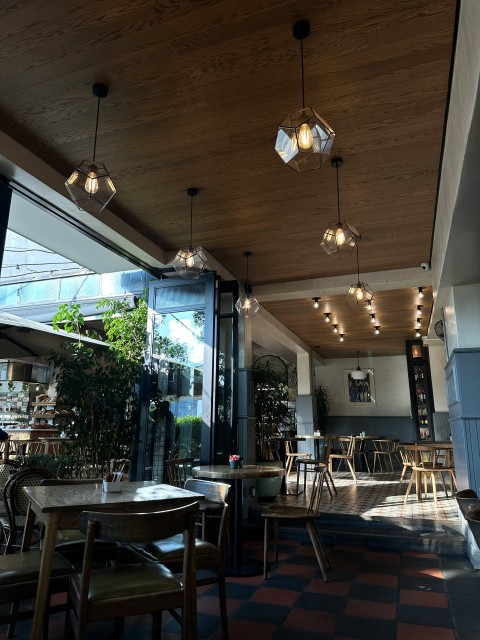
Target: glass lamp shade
340,239
247,306
90,186
358,374
190,262
359,294
304,139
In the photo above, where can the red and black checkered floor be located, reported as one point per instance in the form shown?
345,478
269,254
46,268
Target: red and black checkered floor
371,594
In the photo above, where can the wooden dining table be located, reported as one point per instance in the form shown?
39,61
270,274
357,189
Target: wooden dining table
237,567
59,507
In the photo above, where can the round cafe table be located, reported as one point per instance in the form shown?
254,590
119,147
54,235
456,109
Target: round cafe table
237,476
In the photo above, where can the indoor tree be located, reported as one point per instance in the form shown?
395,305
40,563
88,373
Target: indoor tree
99,386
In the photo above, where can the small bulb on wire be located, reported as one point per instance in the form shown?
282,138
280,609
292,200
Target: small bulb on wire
342,335
377,330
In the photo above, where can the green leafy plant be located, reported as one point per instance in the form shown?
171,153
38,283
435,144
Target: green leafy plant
322,402
97,386
271,409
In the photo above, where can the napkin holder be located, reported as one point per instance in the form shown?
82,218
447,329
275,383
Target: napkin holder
112,487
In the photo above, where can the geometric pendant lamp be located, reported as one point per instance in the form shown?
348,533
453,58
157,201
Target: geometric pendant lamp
190,261
339,238
359,293
304,139
90,186
247,305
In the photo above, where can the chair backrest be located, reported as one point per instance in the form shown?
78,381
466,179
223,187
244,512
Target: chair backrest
219,494
7,469
342,445
30,476
178,470
316,492
383,445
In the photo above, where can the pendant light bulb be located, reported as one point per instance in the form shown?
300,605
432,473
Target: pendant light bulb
417,333
91,183
335,328
342,335
340,235
372,318
419,309
327,317
420,292
377,330
305,138
315,302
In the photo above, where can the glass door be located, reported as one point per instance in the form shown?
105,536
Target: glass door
178,391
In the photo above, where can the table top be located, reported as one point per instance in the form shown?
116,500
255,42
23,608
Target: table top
55,439
29,429
313,436
224,472
64,498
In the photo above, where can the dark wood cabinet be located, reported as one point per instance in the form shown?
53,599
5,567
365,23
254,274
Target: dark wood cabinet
420,383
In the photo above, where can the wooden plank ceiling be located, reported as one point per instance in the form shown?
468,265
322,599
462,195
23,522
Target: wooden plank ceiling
197,89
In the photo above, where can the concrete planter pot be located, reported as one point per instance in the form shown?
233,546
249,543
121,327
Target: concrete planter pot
268,488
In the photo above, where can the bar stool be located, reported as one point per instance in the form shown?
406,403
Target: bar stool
309,464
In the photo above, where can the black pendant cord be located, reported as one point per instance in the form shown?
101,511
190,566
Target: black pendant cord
303,76
96,130
338,198
358,268
191,220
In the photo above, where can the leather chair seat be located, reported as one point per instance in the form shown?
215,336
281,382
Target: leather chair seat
25,566
129,581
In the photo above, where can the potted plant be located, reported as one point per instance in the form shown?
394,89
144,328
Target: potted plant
97,386
322,404
273,417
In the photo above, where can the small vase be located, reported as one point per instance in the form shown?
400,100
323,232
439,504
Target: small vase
234,464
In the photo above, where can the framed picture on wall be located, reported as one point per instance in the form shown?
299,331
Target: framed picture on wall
359,393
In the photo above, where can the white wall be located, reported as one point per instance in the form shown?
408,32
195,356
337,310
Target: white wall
392,397
438,361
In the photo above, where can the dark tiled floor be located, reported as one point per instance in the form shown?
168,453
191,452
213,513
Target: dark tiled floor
371,595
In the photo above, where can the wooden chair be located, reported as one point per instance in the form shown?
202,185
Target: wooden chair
305,514
71,542
133,589
291,456
178,471
19,574
209,556
16,502
383,449
342,448
425,468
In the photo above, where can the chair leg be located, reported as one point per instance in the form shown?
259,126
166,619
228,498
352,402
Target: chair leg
275,539
222,598
408,488
319,552
374,461
288,466
265,549
157,625
330,480
13,619
434,488
352,470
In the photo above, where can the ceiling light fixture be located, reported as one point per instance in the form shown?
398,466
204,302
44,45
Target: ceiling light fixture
247,305
377,329
419,323
372,318
417,333
190,261
358,373
339,238
327,317
342,335
419,309
420,292
303,138
369,305
315,302
335,328
90,186
359,292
